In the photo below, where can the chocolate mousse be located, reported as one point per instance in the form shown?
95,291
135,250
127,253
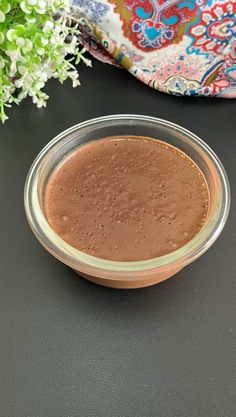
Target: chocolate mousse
126,198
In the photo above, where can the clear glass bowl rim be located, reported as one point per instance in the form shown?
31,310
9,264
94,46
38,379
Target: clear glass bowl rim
91,265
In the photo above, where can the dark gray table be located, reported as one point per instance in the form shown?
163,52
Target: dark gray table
72,349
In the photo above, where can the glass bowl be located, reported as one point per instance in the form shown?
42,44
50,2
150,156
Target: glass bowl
127,274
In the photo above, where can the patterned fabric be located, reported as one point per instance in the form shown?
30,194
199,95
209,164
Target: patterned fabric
185,47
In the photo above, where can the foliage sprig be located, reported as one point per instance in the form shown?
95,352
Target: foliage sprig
35,41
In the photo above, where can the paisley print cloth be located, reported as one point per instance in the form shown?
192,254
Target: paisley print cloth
185,47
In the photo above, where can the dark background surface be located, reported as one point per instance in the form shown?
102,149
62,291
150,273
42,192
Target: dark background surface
72,349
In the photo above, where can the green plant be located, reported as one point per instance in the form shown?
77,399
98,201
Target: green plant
35,39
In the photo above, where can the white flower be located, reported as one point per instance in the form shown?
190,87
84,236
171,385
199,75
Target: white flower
19,83
38,85
41,75
42,4
13,68
28,45
21,69
48,27
15,55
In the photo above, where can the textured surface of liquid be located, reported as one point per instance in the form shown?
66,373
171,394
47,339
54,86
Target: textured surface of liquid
127,198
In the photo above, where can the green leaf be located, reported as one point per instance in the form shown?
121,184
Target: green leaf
2,17
11,35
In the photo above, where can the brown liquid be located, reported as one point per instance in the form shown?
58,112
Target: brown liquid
127,198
